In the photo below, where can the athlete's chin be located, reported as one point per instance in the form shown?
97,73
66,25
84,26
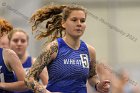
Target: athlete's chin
79,34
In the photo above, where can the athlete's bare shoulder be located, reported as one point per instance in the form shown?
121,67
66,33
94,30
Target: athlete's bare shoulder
52,45
91,49
92,69
10,58
8,53
48,52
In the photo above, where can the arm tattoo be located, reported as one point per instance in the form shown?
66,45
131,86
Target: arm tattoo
92,69
42,61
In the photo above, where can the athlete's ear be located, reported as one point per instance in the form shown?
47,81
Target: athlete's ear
63,24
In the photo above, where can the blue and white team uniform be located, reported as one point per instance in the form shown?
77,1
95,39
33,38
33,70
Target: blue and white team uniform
68,73
5,74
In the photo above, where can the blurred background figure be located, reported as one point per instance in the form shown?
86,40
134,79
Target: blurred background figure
121,81
127,85
137,89
19,40
104,72
4,42
10,65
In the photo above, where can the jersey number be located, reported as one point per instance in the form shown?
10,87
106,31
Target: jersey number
84,59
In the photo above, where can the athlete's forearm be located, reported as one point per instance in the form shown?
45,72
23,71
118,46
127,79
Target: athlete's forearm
41,62
14,86
93,77
31,77
35,86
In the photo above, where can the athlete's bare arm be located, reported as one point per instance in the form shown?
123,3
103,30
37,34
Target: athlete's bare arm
93,78
43,75
13,63
41,62
103,86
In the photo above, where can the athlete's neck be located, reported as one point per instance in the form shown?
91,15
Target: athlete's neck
23,57
71,42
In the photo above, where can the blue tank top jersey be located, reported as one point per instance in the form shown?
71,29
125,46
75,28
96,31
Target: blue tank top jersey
26,65
68,73
5,74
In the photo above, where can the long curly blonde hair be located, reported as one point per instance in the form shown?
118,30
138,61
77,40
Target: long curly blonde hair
5,27
52,16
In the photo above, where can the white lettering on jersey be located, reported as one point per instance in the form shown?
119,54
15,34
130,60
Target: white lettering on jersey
72,61
1,76
83,61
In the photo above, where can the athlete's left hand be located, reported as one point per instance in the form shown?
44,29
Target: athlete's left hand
103,86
